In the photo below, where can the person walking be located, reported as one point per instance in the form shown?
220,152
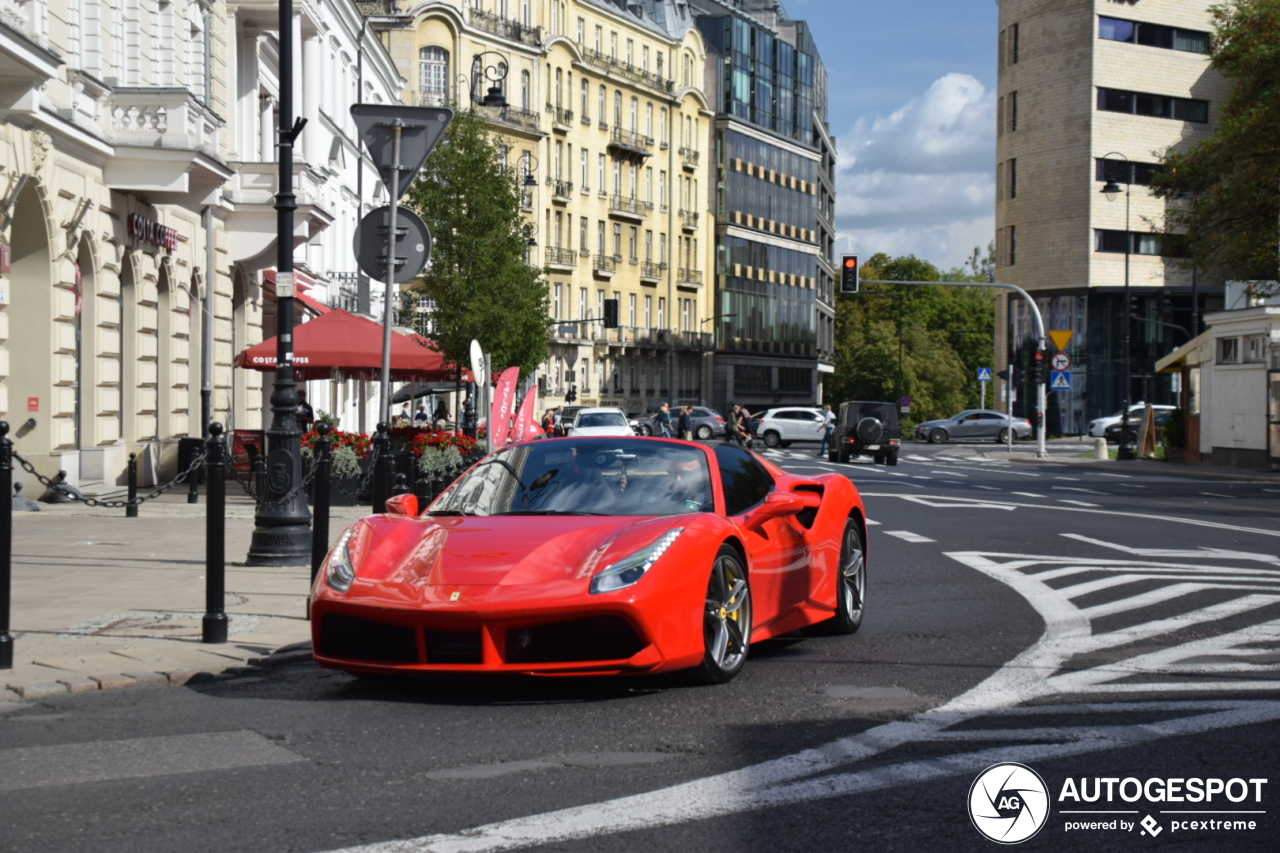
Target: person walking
557,422
304,413
745,428
733,427
827,428
549,423
684,423
420,417
664,420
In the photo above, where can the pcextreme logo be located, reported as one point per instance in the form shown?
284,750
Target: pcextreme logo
1008,803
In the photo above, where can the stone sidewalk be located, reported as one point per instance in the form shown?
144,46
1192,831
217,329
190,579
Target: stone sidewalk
102,601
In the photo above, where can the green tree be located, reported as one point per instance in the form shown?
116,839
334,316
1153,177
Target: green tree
478,279
944,334
1225,190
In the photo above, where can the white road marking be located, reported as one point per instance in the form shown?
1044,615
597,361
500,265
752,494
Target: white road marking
1216,495
951,503
1124,476
1076,503
1076,489
989,488
1130,486
949,473
1193,554
1146,599
871,523
1029,494
1069,479
908,536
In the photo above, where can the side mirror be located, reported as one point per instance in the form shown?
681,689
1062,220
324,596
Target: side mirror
406,505
776,505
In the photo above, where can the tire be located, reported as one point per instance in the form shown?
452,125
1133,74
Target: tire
938,436
727,609
772,439
891,459
1003,437
878,459
833,456
704,432
851,585
842,457
645,429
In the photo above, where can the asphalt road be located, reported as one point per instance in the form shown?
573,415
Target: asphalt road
1086,624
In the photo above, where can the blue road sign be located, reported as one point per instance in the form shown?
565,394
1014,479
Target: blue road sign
984,374
1060,380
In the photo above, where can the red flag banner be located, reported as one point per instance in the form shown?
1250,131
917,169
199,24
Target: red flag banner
504,401
526,422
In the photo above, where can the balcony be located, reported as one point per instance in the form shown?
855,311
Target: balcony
630,145
689,277
565,259
561,119
629,208
604,266
689,157
520,119
505,28
689,220
610,65
561,191
651,272
375,8
251,226
432,99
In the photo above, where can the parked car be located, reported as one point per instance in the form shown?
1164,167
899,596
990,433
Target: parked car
1112,433
601,422
864,427
707,423
780,427
1098,426
973,424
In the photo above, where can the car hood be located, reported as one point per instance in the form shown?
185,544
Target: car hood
932,424
408,557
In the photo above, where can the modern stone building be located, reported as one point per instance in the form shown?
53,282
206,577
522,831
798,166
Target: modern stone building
1091,91
774,201
136,174
607,116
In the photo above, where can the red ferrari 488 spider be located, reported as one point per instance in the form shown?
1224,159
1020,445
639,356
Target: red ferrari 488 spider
592,556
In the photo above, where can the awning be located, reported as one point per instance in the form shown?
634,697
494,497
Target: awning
1191,354
339,341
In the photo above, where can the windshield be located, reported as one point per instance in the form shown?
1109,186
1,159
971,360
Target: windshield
601,419
602,476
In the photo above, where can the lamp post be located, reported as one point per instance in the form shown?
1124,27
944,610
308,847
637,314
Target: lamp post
494,101
1128,450
282,533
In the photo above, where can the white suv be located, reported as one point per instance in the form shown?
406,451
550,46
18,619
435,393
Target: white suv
780,427
601,421
1098,426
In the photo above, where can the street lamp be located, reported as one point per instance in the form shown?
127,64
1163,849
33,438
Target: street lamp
494,101
1128,449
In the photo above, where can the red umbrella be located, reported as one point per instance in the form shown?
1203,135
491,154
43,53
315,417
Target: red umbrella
338,340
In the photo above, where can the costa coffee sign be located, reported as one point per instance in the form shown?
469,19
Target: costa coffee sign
152,232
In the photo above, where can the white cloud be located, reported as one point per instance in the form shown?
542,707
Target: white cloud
922,180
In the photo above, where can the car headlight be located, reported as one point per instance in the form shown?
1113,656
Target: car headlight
341,572
630,569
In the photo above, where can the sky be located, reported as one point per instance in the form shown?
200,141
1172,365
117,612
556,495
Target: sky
912,105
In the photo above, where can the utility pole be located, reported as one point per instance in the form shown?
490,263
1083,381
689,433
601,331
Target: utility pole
282,532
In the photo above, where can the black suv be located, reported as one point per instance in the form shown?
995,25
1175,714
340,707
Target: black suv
864,428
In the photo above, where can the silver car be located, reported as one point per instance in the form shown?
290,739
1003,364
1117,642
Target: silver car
972,425
780,427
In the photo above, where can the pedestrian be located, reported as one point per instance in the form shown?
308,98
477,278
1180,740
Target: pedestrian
421,417
827,428
304,413
733,427
557,422
684,423
549,423
746,427
664,420
442,412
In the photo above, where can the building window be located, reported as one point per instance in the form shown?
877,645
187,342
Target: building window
1156,106
1125,172
632,239
631,310
644,58
1013,44
617,241
613,46
648,312
1013,245
1013,178
582,31
1228,350
1153,35
648,246
524,91
617,109
586,99
582,303
599,36
582,236
1255,348
604,96
1135,242
600,173
555,303
1013,111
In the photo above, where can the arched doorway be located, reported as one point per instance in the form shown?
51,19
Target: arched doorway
238,404
195,357
166,372
86,323
30,380
128,350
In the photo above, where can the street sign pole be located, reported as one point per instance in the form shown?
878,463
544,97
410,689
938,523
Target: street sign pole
397,127
1008,405
983,387
486,398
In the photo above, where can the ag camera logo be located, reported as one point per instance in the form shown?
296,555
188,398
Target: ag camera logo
1008,803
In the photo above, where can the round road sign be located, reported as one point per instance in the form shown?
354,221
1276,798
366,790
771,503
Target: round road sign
905,402
1060,361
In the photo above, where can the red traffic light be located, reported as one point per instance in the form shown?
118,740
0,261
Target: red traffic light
850,263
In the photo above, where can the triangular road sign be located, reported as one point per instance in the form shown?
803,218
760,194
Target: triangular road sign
1061,339
420,129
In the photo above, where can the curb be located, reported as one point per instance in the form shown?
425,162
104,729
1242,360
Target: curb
1152,467
21,693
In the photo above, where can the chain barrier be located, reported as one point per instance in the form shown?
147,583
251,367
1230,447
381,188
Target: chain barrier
274,503
61,488
366,481
244,484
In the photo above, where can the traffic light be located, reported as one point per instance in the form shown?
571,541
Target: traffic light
611,313
1039,368
572,396
1003,374
1165,305
849,282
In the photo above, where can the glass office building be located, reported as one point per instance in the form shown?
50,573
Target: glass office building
774,200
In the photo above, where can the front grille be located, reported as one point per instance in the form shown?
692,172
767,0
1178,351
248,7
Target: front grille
595,639
454,647
353,638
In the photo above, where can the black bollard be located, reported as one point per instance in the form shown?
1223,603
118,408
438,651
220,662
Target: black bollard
422,488
214,624
320,503
437,482
131,509
402,485
6,543
382,468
